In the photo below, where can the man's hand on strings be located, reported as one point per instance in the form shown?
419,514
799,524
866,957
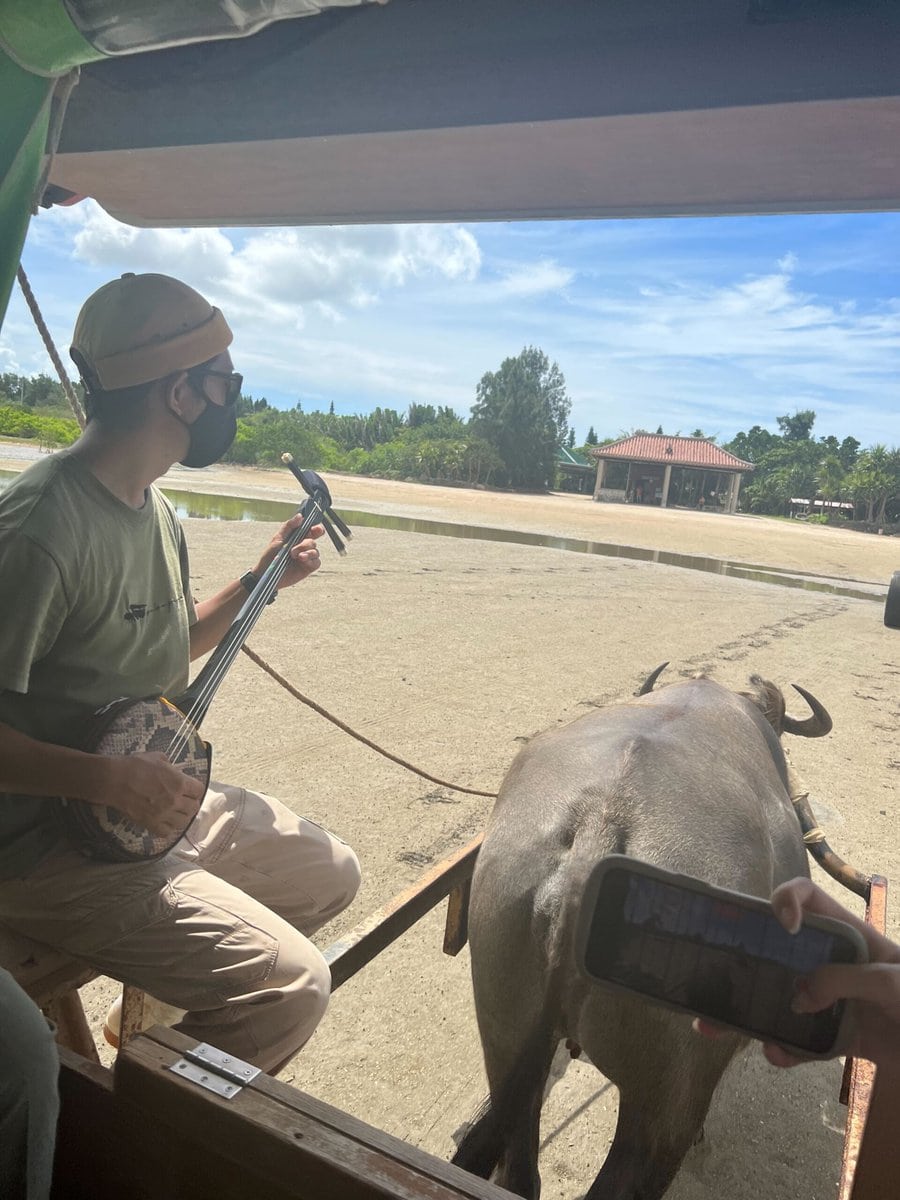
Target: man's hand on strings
304,556
150,790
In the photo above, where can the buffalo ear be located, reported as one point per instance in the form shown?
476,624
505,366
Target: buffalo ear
769,700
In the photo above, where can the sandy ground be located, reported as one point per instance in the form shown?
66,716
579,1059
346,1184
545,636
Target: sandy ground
450,653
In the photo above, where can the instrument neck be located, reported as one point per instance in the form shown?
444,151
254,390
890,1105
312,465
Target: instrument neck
195,702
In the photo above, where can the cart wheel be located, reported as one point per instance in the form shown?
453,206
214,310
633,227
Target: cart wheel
892,604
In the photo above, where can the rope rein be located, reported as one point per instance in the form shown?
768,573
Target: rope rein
323,712
251,654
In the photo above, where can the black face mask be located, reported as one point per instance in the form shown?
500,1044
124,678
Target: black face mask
211,435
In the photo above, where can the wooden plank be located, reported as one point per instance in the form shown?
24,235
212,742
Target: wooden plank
44,973
456,930
101,1154
67,1013
364,941
132,1013
870,1139
878,1166
274,1141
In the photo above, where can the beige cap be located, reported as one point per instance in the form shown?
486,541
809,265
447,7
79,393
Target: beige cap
144,327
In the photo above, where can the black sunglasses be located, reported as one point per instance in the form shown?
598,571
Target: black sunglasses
233,382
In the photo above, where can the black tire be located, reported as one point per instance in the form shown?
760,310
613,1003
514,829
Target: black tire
892,604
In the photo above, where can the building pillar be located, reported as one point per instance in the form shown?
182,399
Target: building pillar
601,471
733,491
667,479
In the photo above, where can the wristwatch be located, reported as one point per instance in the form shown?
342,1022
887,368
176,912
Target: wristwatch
250,579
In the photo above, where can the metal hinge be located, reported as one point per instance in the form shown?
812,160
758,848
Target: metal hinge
212,1069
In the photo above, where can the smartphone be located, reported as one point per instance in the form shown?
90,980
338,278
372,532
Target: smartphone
714,953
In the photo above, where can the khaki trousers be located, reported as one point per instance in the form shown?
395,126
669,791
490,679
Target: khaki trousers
219,927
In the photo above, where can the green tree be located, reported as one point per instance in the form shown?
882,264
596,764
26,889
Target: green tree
264,436
848,451
570,440
875,481
790,468
34,392
753,445
19,422
831,477
247,405
522,410
797,428
420,414
591,439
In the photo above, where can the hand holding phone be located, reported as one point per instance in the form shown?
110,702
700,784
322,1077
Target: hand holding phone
874,987
720,955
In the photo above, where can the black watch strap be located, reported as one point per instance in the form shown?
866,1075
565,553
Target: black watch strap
249,580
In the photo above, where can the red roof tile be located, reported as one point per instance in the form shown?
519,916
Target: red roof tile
680,451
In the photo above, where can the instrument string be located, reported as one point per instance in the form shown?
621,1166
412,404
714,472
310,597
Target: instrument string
238,632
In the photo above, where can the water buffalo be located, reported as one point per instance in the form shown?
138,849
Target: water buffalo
691,777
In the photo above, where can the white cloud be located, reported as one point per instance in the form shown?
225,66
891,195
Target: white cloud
201,254
682,324
534,279
286,269
763,322
788,263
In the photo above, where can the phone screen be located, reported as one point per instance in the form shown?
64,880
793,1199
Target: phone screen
711,956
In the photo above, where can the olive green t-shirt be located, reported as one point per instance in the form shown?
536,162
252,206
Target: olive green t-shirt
94,605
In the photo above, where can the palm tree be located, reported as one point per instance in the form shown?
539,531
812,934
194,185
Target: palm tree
831,477
875,480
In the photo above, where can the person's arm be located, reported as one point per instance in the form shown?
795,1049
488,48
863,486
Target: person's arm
214,616
145,787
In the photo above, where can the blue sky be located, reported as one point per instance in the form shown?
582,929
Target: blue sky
716,323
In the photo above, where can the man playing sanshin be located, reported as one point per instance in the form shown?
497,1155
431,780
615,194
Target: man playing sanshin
96,603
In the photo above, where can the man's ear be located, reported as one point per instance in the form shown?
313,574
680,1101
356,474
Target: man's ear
180,397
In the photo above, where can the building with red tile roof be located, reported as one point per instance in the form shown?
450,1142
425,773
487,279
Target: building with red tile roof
653,468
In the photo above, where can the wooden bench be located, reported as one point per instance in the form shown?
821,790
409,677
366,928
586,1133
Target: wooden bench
164,1136
52,979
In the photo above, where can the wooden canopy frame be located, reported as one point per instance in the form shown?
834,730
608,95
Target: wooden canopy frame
485,109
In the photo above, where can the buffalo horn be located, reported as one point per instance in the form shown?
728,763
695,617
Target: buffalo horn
647,685
815,726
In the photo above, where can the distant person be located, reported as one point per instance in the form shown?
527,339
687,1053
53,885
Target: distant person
701,503
95,592
29,1102
639,494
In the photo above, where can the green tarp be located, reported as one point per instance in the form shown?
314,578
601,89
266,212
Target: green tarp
25,103
38,45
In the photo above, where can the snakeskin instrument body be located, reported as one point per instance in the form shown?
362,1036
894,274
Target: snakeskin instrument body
135,727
